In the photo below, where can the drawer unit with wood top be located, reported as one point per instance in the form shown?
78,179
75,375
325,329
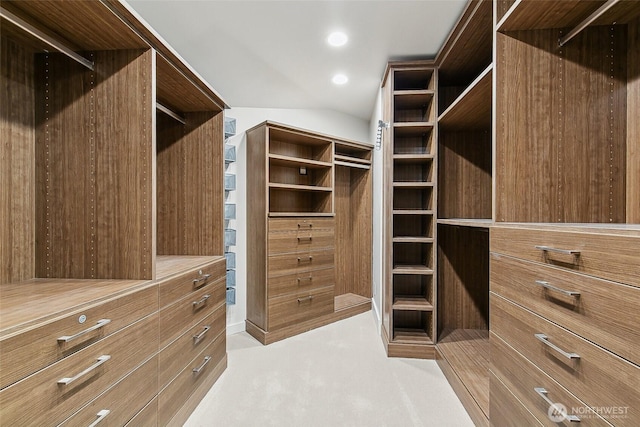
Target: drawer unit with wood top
191,281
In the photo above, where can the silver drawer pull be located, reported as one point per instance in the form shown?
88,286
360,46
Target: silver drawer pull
545,340
101,416
203,278
307,239
204,299
574,252
305,259
310,225
98,325
306,279
553,288
556,410
305,299
201,367
102,359
198,337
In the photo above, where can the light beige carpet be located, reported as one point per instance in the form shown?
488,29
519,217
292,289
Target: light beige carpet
337,375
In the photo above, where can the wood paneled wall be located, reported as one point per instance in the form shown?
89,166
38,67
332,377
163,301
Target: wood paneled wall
633,124
189,172
561,146
17,163
94,166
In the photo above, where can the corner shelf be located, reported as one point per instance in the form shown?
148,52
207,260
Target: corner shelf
472,109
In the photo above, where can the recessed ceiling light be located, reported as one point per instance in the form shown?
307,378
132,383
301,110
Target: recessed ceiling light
340,79
337,38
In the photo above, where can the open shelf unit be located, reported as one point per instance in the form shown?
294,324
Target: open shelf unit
410,158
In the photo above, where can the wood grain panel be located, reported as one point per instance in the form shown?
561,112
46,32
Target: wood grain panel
567,156
147,417
304,305
94,200
284,264
257,226
190,174
190,281
17,163
307,280
598,377
463,278
633,124
604,312
529,15
502,7
472,109
464,182
505,409
301,224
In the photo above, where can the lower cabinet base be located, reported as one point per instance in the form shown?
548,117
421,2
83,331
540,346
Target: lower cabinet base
411,351
268,337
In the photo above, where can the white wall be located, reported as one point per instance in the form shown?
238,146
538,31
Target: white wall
322,121
378,217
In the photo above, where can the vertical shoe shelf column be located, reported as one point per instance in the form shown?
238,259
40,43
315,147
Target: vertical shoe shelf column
230,208
411,198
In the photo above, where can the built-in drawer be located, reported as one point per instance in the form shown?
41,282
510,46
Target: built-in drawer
121,402
24,353
203,370
181,316
547,400
302,240
505,408
302,281
147,417
296,263
596,376
51,395
610,256
301,223
179,353
601,311
304,305
191,281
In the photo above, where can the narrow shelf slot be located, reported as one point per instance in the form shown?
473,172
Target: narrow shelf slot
280,160
407,227
466,222
413,106
411,303
352,159
413,158
412,269
295,187
412,80
351,165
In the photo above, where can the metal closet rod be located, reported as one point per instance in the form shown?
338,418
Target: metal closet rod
588,21
55,44
170,113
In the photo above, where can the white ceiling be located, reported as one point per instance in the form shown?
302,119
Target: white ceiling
273,53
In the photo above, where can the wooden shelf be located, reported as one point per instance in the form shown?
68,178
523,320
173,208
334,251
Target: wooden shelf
411,336
472,109
297,214
351,159
411,303
404,239
412,127
352,165
413,158
280,160
466,222
412,98
412,269
412,212
294,187
468,353
413,184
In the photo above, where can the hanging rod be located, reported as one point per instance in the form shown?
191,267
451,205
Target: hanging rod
170,113
55,44
588,21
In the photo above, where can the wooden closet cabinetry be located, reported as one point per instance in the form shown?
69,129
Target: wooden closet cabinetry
112,161
307,210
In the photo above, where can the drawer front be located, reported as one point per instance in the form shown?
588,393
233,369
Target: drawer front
505,409
147,417
126,348
28,352
280,265
111,408
173,289
291,309
303,281
300,241
601,311
172,397
612,257
178,318
532,387
598,377
179,353
301,223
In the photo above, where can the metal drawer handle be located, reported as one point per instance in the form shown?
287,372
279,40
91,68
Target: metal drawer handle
556,410
574,252
305,299
310,225
101,416
545,340
102,359
308,238
201,367
198,337
553,288
98,325
202,301
304,259
203,278
308,279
